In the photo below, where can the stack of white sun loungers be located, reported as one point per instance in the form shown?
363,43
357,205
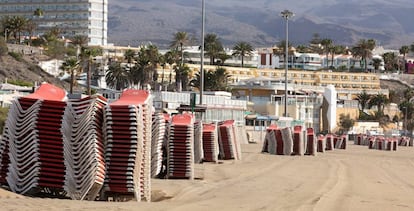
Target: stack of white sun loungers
210,143
84,147
128,128
180,147
36,150
198,142
159,130
228,145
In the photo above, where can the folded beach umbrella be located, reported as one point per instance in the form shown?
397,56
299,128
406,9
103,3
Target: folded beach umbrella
210,143
180,147
128,124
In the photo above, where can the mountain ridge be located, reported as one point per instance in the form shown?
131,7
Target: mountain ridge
137,22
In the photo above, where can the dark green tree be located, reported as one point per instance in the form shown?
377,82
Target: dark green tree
242,49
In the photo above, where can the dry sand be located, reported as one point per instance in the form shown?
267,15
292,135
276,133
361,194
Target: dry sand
352,179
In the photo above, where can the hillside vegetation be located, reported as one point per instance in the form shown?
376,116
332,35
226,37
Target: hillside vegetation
25,69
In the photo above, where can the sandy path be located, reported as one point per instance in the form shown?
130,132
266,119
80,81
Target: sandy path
355,179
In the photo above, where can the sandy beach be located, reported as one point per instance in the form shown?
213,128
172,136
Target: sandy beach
352,179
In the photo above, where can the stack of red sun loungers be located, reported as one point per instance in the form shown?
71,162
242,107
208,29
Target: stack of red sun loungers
330,142
298,140
128,128
83,140
35,142
269,143
210,143
180,147
321,143
311,146
228,145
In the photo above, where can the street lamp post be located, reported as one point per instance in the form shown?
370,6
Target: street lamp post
286,14
203,15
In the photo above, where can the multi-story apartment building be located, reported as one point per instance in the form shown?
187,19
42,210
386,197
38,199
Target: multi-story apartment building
73,17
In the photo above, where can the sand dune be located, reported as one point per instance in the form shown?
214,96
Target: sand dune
352,179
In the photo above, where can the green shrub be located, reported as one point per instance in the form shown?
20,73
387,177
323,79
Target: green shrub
3,118
20,83
17,56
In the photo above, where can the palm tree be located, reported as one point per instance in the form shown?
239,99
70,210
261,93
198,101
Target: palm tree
326,44
242,49
71,66
280,50
221,78
117,77
79,41
404,50
129,55
180,40
171,57
363,99
87,55
30,28
390,61
214,80
379,100
181,77
376,62
303,49
212,46
336,49
38,12
363,50
408,94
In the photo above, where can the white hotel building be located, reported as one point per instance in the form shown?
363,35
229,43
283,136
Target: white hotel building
74,17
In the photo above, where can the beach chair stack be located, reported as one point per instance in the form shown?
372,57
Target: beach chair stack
228,145
321,139
36,151
198,142
287,141
298,140
330,145
311,145
340,142
210,143
404,141
159,130
180,147
269,143
83,140
128,132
